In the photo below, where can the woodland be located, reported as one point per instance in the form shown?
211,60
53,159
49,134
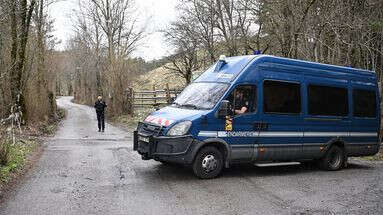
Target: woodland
98,58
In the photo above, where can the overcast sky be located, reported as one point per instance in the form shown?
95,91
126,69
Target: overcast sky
160,12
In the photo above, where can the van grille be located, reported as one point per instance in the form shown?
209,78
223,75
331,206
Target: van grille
149,128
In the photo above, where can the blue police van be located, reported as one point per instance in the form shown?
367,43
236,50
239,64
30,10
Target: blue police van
260,108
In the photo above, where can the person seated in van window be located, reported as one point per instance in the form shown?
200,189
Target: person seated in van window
241,104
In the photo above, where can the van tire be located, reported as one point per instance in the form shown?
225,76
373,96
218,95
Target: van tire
334,159
208,163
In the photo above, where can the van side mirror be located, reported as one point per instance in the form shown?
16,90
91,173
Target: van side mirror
223,110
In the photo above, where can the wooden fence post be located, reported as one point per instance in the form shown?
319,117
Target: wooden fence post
142,101
156,106
154,95
131,100
168,96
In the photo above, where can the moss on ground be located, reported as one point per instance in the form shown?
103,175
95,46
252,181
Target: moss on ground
16,157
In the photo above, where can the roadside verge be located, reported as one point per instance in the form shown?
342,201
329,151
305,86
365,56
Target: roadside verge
129,123
19,157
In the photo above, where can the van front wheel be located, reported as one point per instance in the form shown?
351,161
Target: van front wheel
334,159
208,163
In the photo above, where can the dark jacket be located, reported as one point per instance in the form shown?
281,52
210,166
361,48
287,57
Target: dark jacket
100,106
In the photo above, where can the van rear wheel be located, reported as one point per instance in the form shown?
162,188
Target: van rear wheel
334,159
208,163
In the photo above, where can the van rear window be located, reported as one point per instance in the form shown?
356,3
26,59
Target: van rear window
364,103
281,97
327,101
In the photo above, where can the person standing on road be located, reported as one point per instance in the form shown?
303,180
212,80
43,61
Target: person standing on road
100,106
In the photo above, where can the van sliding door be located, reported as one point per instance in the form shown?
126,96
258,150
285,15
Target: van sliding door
280,138
327,117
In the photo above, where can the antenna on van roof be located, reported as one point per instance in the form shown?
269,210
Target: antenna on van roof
221,62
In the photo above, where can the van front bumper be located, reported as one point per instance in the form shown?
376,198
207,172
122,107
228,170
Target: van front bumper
170,149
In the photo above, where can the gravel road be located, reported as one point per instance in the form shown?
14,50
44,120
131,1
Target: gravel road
85,172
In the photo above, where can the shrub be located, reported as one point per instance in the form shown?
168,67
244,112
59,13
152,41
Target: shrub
5,148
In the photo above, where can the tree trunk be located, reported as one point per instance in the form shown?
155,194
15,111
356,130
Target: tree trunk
25,20
42,86
14,89
378,53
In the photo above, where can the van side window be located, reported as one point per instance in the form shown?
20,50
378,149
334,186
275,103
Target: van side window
327,101
281,97
243,99
364,103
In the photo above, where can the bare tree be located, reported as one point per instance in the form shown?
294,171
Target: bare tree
120,27
25,11
203,16
24,88
107,32
186,59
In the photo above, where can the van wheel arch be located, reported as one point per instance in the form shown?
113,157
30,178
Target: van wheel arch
337,142
342,144
337,147
222,146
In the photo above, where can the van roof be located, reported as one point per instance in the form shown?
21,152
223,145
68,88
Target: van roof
235,65
228,71
309,64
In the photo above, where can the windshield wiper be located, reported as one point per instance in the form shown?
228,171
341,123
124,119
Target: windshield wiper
189,106
175,103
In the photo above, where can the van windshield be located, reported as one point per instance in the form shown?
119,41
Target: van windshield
201,95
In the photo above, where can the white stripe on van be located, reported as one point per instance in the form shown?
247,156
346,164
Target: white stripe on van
207,134
325,134
363,134
222,134
293,134
280,134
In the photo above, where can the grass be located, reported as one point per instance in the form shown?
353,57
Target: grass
158,77
131,121
16,157
377,157
49,127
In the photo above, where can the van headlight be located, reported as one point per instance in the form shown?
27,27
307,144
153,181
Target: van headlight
180,128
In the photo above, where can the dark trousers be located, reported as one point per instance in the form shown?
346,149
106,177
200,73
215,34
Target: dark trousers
101,120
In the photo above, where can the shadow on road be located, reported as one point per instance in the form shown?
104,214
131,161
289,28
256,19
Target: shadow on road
179,172
251,170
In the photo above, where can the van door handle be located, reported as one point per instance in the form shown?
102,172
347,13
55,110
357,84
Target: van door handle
264,126
260,126
257,126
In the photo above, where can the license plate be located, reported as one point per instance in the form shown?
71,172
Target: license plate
143,139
